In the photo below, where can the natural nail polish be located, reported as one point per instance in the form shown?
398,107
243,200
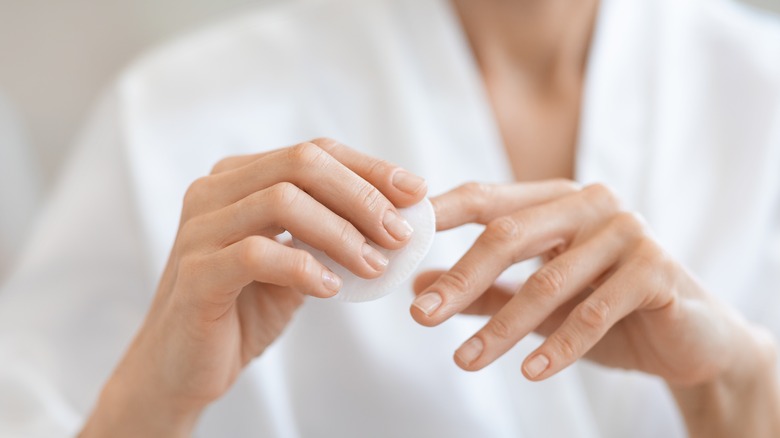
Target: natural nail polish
536,365
397,226
407,182
374,258
428,302
331,281
470,351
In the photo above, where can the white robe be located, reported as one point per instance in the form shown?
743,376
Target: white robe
681,115
19,185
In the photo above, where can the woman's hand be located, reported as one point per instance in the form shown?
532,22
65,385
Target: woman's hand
606,290
230,286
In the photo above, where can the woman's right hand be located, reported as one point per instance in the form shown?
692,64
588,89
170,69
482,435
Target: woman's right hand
230,285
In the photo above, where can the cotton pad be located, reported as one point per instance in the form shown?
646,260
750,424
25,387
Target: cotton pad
402,262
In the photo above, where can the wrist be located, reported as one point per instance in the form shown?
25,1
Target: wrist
743,399
130,408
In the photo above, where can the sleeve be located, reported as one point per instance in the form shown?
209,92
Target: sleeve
78,292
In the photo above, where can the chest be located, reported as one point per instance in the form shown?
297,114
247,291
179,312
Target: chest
539,127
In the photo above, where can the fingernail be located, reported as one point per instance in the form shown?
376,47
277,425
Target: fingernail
407,182
374,258
397,226
536,365
331,281
470,350
428,302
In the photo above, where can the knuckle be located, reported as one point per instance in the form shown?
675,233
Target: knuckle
566,185
499,328
594,314
190,229
566,345
326,143
547,282
371,198
502,230
627,224
475,195
302,266
222,165
196,198
378,169
197,191
651,263
649,257
252,251
643,265
602,195
457,279
665,261
307,154
283,194
347,232
599,190
475,190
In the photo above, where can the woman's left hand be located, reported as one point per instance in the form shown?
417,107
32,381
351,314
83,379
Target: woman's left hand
606,291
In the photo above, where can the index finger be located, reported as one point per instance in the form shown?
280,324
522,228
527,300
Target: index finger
481,203
400,186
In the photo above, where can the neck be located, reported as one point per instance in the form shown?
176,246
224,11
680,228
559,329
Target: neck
543,40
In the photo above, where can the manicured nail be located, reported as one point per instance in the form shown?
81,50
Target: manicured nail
331,281
397,226
374,258
536,365
428,302
470,350
407,182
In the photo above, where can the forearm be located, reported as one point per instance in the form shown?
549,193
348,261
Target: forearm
743,401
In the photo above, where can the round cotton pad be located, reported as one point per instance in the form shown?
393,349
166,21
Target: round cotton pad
402,262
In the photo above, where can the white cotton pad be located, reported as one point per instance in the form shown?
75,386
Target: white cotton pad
402,262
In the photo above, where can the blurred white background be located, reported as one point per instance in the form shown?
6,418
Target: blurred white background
55,57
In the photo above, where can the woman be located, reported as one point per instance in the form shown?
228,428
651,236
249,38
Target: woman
674,106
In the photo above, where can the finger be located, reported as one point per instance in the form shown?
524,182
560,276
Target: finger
490,302
549,288
624,292
425,279
283,207
319,174
506,241
481,203
236,161
400,186
220,276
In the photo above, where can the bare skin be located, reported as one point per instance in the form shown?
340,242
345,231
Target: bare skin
533,55
607,291
230,286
